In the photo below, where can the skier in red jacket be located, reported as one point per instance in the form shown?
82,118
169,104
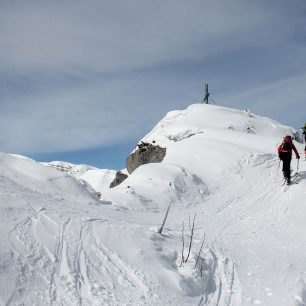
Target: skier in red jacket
285,155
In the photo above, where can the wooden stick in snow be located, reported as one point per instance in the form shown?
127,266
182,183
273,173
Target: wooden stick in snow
191,238
200,251
183,247
165,218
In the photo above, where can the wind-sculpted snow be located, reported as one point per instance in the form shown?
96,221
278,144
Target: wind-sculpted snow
62,245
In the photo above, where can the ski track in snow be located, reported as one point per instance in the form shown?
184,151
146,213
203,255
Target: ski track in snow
66,260
82,271
265,206
221,283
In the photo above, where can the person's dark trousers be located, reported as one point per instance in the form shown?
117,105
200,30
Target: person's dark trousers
286,158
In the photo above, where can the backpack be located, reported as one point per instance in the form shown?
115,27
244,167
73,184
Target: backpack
287,144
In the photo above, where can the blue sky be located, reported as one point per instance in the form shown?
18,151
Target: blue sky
83,81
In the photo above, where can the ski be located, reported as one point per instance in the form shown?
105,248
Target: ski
285,188
293,181
285,185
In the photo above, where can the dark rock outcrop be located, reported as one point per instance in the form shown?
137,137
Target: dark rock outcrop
145,154
119,178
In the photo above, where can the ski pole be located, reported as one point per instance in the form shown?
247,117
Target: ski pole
277,170
297,168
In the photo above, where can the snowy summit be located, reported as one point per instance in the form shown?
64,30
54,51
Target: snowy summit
233,234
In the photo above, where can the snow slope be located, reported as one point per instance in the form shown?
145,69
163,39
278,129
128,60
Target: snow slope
60,245
99,179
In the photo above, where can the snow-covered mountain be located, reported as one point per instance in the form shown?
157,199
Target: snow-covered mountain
98,179
61,245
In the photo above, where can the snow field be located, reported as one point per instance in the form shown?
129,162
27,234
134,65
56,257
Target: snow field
61,245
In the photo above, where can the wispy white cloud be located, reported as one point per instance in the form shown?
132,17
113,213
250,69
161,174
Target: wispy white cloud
66,120
106,36
286,97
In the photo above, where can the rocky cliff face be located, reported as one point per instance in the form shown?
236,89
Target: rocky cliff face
146,153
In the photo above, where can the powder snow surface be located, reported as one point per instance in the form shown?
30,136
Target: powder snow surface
61,244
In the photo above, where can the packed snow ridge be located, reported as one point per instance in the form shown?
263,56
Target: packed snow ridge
61,244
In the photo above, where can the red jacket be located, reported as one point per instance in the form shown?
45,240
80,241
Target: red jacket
285,151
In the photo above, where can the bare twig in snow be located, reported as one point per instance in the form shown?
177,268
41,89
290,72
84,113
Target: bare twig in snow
202,266
165,218
191,238
183,242
200,251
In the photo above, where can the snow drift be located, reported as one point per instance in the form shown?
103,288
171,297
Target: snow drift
62,245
